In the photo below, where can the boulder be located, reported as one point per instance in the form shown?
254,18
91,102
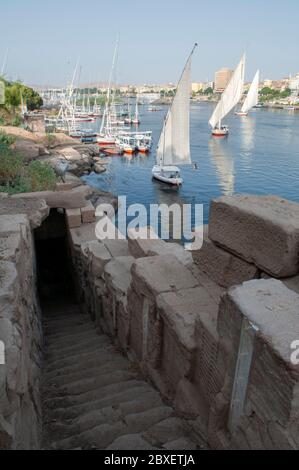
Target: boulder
69,153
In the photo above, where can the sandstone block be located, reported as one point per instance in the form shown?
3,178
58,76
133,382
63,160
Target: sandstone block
36,210
180,312
83,234
73,217
271,312
222,266
117,277
98,256
154,246
117,248
71,199
158,274
88,213
263,230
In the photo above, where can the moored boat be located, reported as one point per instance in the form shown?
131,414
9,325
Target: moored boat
174,143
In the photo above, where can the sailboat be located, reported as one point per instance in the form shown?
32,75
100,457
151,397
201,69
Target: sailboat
229,99
252,97
174,143
135,119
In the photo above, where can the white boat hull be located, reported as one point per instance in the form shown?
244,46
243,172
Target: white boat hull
169,175
222,132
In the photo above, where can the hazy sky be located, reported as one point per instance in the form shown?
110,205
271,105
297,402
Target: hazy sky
44,38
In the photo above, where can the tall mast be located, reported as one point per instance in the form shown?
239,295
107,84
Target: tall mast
106,111
4,63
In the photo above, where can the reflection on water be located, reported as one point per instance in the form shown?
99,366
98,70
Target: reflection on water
224,164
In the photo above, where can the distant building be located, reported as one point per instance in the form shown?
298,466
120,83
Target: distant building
222,78
197,86
294,83
268,83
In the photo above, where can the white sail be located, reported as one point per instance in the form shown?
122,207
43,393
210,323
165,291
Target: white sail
174,143
231,95
252,97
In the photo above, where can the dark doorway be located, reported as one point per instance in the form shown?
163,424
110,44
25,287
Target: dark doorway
54,273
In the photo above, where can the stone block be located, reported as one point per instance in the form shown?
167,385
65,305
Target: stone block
222,266
71,199
157,274
88,213
83,234
117,277
98,257
117,248
73,217
263,230
291,283
271,312
180,312
150,277
154,246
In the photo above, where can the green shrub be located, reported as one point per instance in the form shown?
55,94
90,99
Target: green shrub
6,141
41,176
50,139
16,177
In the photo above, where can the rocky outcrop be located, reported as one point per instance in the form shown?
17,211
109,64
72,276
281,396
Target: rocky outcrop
56,148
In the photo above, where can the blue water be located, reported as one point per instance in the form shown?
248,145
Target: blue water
260,156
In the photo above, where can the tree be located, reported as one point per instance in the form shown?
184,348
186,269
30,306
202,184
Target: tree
208,91
13,92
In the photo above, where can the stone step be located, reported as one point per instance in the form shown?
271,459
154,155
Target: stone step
111,395
64,330
115,363
90,362
69,350
96,438
149,400
91,384
63,400
165,431
97,421
77,358
131,442
66,340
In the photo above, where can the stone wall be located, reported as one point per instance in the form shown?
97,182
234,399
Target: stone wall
20,332
206,328
211,329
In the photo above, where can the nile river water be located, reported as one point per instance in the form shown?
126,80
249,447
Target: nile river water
260,156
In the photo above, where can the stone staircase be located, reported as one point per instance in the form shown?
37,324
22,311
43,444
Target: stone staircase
94,398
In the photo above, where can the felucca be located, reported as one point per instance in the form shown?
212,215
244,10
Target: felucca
229,99
252,97
174,143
